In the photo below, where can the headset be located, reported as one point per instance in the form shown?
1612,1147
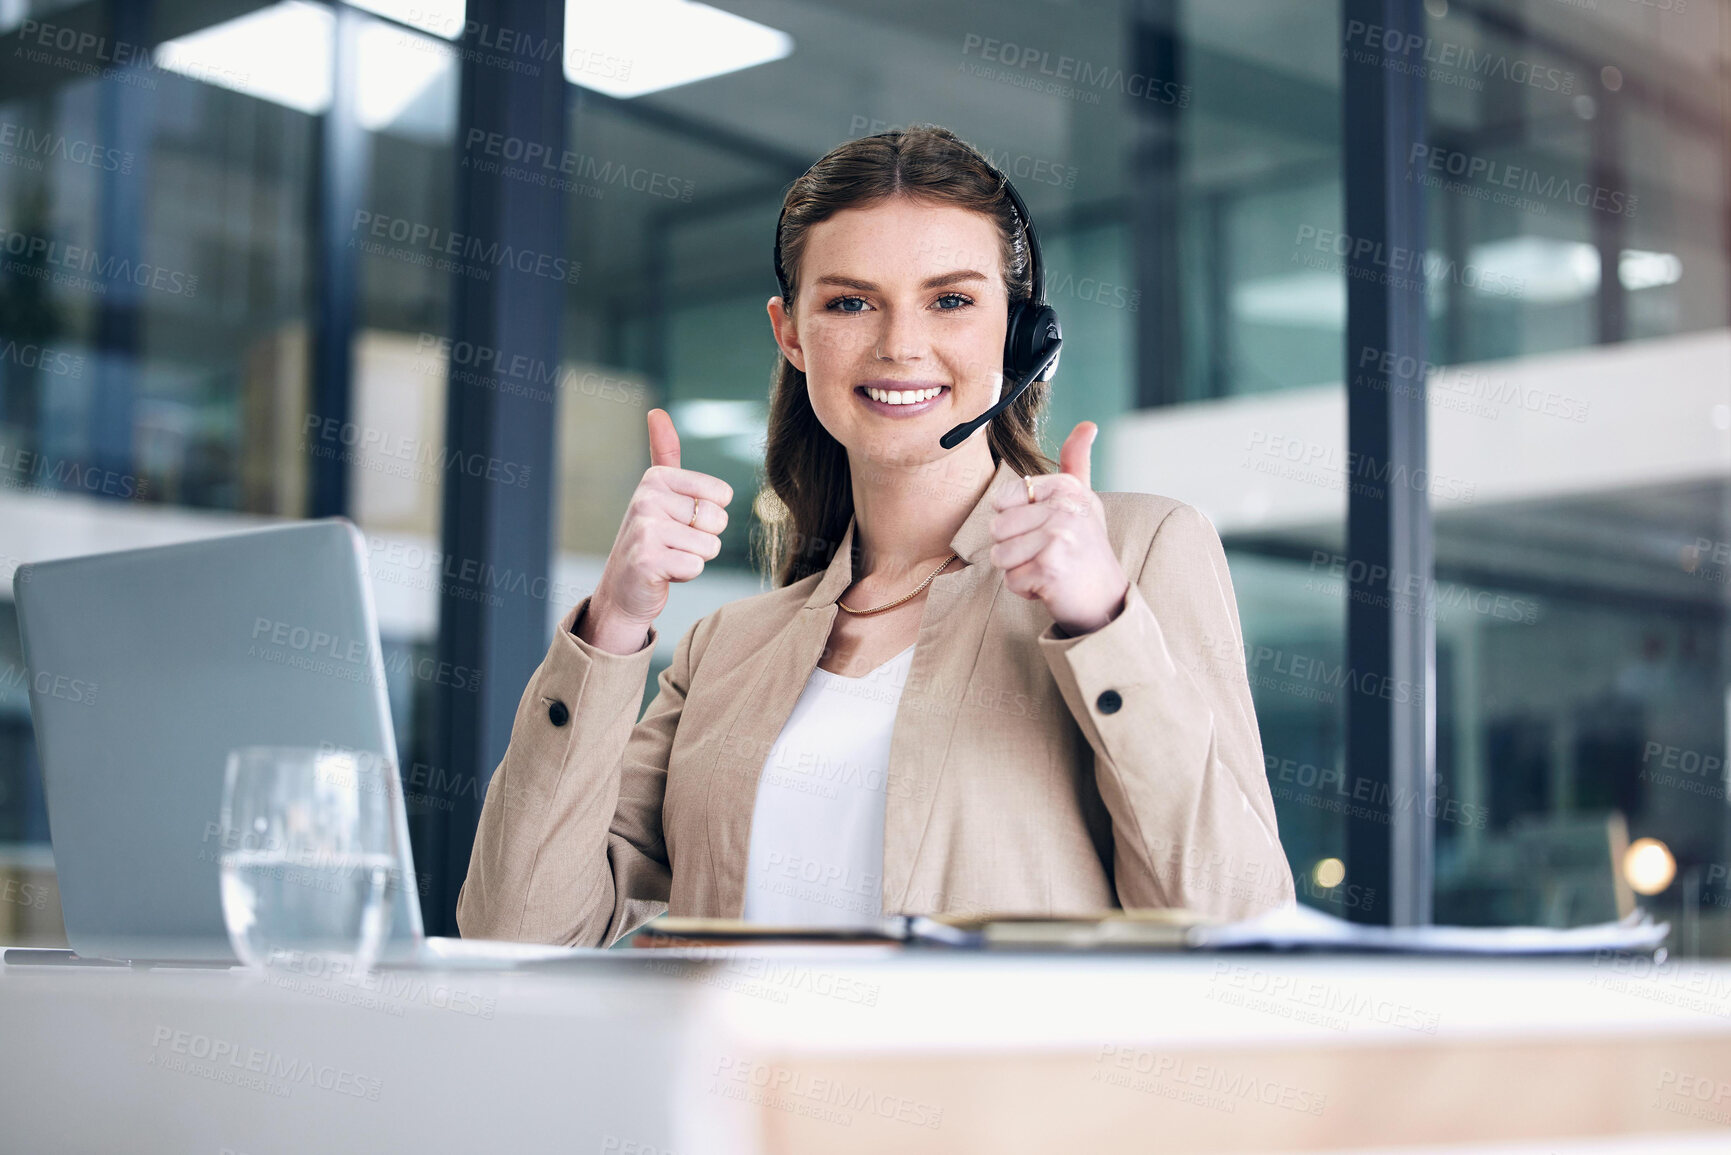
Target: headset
1032,340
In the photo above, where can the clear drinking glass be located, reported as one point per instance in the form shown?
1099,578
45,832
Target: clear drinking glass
309,856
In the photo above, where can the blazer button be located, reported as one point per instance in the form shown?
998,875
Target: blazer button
557,713
1108,702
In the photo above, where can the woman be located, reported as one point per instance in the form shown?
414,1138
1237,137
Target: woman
978,685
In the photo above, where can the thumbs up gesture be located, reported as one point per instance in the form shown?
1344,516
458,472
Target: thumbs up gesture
671,527
1055,548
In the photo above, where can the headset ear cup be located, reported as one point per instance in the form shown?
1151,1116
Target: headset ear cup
1047,329
1031,329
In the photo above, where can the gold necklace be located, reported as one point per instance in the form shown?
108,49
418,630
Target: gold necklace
900,600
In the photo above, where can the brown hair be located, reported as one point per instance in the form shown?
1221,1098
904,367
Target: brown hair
806,494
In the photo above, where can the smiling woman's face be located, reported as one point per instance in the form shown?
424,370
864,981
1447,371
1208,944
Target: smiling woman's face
903,299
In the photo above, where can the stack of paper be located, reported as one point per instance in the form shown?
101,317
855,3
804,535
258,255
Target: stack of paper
671,931
1294,927
1098,930
1301,927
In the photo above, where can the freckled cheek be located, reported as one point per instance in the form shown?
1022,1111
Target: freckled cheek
975,366
979,348
840,345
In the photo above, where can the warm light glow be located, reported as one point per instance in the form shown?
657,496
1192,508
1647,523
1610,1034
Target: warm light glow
1330,872
1648,866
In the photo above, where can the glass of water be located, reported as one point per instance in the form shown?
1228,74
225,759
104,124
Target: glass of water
309,858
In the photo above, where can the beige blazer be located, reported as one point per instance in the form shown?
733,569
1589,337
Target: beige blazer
1027,772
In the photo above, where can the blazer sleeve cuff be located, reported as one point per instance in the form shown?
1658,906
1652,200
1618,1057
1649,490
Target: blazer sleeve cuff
603,682
1122,671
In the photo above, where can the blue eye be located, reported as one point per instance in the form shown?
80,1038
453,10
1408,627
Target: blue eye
833,306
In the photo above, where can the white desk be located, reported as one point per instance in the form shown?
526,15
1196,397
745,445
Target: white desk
872,1051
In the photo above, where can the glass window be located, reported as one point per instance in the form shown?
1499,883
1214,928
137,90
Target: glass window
1574,172
157,271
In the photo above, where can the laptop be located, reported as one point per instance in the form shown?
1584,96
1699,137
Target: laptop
146,667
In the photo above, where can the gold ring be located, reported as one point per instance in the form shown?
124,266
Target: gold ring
696,504
1028,481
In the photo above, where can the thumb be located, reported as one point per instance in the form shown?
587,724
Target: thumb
1073,455
663,439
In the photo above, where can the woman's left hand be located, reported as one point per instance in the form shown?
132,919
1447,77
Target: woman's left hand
1056,548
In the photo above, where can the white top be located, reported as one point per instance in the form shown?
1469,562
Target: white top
817,829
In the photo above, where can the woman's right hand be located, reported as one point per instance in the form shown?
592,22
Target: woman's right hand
658,543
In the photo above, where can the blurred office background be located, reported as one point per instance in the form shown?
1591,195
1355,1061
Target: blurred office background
224,300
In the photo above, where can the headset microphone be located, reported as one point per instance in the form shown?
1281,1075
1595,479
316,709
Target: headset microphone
1031,340
961,432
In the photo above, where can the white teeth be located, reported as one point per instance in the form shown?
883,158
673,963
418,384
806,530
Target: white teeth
902,396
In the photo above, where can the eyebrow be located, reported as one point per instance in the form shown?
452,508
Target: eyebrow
929,283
